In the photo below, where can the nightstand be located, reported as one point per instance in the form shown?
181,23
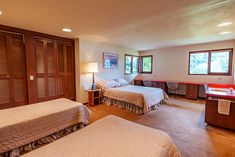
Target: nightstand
94,97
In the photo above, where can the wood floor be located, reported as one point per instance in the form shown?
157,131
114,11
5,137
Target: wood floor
184,124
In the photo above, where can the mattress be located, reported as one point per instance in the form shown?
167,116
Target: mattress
25,124
144,97
111,137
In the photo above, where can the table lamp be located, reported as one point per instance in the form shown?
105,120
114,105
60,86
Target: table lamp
93,68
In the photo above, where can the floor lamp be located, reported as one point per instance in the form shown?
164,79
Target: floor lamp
93,68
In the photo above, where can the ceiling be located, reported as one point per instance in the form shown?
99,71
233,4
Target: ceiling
138,24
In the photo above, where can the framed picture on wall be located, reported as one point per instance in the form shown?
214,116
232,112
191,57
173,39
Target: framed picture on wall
110,60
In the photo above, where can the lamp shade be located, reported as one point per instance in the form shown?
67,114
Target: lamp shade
92,67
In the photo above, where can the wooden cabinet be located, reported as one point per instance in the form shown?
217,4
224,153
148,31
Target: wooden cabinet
214,118
191,91
12,71
94,97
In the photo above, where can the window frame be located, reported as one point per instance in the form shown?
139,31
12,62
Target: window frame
229,73
131,64
141,63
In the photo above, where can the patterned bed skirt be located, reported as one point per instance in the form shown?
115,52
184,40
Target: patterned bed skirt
128,106
45,140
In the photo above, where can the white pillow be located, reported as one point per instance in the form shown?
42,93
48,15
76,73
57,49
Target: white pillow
105,84
121,81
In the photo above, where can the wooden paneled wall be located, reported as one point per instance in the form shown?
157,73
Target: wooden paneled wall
34,67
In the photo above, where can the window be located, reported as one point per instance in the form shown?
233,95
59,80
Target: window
147,63
199,63
128,64
219,62
131,64
135,64
212,62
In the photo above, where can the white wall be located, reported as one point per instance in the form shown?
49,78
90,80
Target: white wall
87,51
172,63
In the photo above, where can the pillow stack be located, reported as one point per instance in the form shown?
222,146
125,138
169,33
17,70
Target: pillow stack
112,83
121,81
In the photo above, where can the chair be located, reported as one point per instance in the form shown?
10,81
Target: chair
206,87
173,86
147,83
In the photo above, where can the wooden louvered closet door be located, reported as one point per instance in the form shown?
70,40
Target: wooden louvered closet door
66,84
46,69
70,78
13,90
61,55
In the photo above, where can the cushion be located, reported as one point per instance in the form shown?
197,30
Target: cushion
121,81
105,84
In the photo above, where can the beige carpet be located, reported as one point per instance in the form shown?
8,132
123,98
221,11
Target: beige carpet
198,105
184,122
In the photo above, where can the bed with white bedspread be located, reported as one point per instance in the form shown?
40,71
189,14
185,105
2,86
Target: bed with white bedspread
111,137
138,99
22,125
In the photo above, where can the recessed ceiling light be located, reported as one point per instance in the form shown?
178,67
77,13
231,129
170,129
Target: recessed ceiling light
66,30
226,32
224,24
0,12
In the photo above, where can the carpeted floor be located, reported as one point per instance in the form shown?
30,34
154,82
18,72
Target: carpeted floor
185,124
198,105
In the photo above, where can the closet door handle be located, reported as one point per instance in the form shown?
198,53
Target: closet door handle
49,75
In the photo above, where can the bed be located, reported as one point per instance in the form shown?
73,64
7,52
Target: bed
111,136
138,99
20,126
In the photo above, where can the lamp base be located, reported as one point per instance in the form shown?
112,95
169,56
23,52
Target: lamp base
93,87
